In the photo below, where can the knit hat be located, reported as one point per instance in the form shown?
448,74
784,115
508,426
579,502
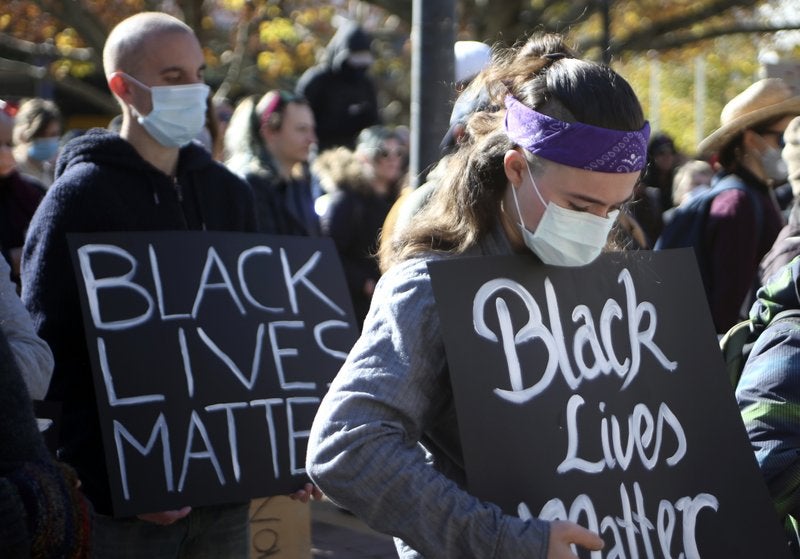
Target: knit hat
764,100
791,153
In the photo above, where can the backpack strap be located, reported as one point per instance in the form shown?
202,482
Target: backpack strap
739,339
733,345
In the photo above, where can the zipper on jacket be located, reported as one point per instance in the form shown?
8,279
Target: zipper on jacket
178,189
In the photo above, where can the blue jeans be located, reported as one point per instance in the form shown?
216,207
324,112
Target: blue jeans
214,532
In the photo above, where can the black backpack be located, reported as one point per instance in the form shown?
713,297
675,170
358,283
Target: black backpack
687,226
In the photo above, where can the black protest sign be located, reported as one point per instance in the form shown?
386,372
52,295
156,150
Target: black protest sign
210,354
599,395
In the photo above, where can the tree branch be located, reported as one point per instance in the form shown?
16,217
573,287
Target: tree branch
681,39
101,99
73,14
28,49
695,14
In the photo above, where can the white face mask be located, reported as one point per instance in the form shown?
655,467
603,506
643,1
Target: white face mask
774,165
178,115
565,237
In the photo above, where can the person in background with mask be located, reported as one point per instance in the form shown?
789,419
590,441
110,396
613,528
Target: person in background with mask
743,222
149,177
526,177
37,133
339,90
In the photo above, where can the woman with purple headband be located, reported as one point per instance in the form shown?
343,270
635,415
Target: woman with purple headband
545,169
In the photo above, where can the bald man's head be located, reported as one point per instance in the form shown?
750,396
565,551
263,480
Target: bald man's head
129,39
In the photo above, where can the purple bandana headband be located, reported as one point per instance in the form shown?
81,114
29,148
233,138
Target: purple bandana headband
576,144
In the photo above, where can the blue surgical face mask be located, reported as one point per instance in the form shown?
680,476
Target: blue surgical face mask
178,114
774,165
565,237
43,149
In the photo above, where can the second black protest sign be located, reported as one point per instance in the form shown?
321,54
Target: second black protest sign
211,352
598,394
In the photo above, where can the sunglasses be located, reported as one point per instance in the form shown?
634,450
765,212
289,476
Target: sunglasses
777,133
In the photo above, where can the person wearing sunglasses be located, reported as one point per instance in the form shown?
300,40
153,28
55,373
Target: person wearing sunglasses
744,221
361,187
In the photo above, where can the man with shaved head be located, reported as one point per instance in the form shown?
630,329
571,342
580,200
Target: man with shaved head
149,177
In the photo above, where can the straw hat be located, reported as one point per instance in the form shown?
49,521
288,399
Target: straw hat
762,101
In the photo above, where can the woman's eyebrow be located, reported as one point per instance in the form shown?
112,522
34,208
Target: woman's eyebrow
597,201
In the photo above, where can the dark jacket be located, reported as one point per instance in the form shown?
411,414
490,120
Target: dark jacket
20,195
283,206
42,514
342,97
353,217
735,246
785,247
768,392
103,185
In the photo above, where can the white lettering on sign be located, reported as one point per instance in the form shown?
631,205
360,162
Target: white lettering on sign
641,427
605,360
213,266
636,528
93,285
197,426
218,351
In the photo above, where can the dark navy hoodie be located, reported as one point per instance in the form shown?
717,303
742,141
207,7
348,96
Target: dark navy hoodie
103,185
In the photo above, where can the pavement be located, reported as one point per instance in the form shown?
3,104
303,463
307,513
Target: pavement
338,534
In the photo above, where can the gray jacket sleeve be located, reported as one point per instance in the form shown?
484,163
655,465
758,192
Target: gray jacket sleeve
364,448
33,355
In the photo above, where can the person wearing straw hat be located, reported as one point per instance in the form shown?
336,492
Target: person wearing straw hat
744,221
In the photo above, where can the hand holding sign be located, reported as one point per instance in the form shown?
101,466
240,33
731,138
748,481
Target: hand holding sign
165,518
564,534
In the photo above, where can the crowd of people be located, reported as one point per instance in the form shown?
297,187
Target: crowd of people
547,154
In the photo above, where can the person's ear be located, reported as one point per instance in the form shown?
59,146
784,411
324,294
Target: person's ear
118,86
515,166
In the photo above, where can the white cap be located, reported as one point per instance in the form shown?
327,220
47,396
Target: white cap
470,58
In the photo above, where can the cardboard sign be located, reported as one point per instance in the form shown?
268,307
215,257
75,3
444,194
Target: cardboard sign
280,528
599,395
210,354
